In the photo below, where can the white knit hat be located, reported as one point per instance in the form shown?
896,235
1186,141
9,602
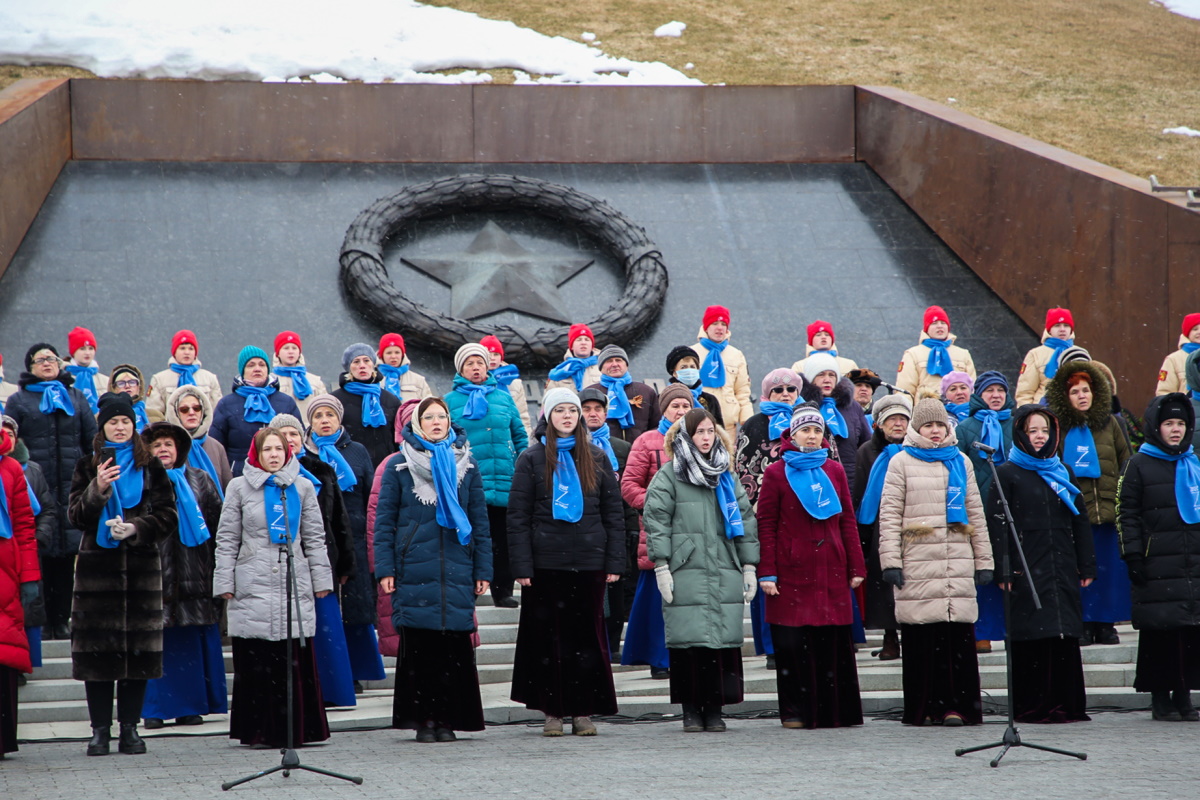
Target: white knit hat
817,363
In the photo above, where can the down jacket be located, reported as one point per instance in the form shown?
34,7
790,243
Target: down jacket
380,442
938,562
250,568
18,564
435,574
496,439
912,376
233,432
1155,540
646,458
736,404
879,608
971,430
1172,377
56,442
167,381
685,529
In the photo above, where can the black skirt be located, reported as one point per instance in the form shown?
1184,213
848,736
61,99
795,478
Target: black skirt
8,709
817,675
940,672
561,666
701,676
437,685
1168,660
259,711
1048,681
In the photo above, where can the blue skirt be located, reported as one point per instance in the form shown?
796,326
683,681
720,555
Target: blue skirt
990,626
34,635
333,660
858,633
759,627
193,680
646,634
1109,598
366,664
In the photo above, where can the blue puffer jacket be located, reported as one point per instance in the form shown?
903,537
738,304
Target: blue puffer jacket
496,439
971,430
231,430
435,575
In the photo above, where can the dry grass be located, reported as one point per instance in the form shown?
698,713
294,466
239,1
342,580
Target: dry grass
1101,78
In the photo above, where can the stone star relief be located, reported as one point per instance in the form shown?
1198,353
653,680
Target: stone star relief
495,273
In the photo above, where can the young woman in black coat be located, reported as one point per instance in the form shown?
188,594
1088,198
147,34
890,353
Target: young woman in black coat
1055,533
566,529
1158,519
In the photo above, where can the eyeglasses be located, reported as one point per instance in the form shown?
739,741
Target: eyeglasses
189,409
434,418
46,360
132,383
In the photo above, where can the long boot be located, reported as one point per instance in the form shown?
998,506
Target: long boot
130,742
1183,704
693,721
1162,709
99,745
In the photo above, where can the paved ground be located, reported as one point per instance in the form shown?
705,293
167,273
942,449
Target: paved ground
1128,756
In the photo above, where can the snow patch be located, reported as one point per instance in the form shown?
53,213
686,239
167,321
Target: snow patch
674,29
588,36
1185,8
1182,130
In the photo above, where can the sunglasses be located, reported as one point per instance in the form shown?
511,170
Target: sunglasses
782,389
189,409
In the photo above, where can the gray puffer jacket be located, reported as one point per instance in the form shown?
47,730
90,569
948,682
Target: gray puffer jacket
249,566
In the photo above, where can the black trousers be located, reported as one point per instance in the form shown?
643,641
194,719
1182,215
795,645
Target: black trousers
502,578
58,582
130,695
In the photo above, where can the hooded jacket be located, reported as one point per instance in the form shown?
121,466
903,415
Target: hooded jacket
214,449
153,413
167,381
18,564
230,428
1172,376
970,430
288,386
496,439
736,405
912,375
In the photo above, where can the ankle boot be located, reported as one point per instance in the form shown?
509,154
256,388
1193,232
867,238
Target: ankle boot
98,746
1162,709
130,742
693,722
891,646
1183,704
713,722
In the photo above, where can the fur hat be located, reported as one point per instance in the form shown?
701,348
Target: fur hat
390,340
611,352
991,378
806,414
115,404
248,352
324,401
928,410
466,351
37,348
677,354
79,337
184,337
820,326
556,397
577,330
674,391
493,345
934,314
287,337
951,378
780,377
167,430
890,406
817,363
715,314
354,351
868,376
1057,316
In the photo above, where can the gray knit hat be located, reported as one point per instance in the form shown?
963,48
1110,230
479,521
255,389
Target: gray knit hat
890,406
806,414
281,421
466,351
324,401
612,351
556,397
354,351
929,410
12,423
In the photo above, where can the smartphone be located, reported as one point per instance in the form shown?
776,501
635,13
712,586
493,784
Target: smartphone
108,454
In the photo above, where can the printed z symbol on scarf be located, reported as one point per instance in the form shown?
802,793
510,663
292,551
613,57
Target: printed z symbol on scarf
560,499
819,491
954,498
1083,456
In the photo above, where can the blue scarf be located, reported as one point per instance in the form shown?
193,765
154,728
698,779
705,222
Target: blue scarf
727,499
1191,393
697,390
1190,347
664,425
834,420
273,505
712,371
602,438
1079,448
1052,471
1187,480
186,373
34,503
573,368
299,376
193,530
139,411
199,459
568,492
956,484
1058,346
450,513
939,362
506,374
831,351
868,507
313,479
6,529
328,452
477,404
85,381
780,416
812,486
126,492
960,410
391,377
992,433
54,397
256,407
618,404
372,411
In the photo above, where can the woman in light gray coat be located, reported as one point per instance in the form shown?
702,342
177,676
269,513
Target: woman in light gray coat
265,508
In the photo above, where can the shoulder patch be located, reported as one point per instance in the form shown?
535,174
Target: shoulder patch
1023,365
901,367
1162,375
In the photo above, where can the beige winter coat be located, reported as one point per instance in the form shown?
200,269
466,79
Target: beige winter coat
516,390
413,385
844,364
912,375
734,396
165,382
101,378
288,387
590,375
1031,385
938,562
7,390
1172,377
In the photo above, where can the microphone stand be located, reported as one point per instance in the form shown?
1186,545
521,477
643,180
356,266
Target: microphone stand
291,759
1012,737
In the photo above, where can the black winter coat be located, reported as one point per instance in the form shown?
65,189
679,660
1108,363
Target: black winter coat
339,541
380,442
56,442
187,572
538,541
858,430
230,428
879,611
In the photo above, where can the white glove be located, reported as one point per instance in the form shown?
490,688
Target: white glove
749,581
666,584
121,530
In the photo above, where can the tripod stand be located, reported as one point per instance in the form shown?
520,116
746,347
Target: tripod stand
1012,737
291,759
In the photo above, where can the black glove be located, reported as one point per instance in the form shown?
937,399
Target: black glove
29,592
1137,571
983,577
894,576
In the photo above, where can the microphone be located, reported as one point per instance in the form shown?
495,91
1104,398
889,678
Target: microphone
983,447
895,389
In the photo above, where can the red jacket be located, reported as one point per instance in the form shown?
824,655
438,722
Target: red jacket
813,560
18,564
645,458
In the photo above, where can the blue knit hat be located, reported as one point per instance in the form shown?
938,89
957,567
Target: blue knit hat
249,352
354,351
990,378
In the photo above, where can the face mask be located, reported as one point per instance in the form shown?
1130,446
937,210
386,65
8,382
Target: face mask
688,377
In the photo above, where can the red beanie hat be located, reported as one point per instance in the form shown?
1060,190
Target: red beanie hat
577,330
820,326
184,337
287,337
80,337
715,314
934,314
1189,322
1056,316
391,340
493,345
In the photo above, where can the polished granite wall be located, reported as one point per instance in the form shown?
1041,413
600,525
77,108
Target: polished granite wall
238,252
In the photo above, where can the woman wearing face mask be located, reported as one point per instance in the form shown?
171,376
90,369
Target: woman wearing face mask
128,379
566,541
294,378
923,366
1158,518
433,556
811,560
1041,363
683,366
370,409
933,550
1047,510
578,368
255,401
703,540
267,509
123,501
188,407
396,369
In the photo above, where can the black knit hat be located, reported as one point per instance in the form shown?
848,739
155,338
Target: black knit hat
37,348
1173,409
114,404
678,354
